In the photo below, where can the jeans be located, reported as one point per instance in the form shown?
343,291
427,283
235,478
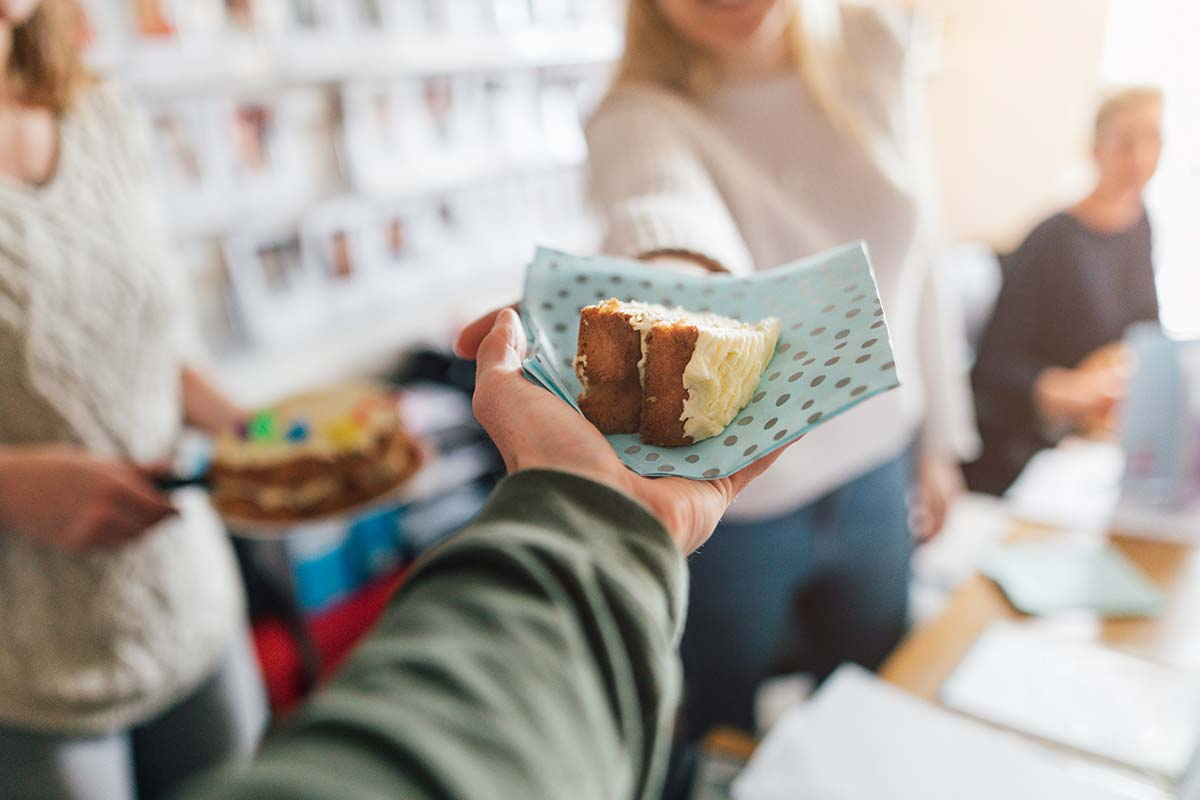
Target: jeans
804,592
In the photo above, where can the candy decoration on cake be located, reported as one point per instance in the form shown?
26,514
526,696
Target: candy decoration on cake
298,432
262,426
345,433
313,455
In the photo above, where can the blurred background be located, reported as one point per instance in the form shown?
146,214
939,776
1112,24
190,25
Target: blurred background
346,183
326,163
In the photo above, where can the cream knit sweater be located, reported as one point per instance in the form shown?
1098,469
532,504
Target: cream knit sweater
753,177
90,356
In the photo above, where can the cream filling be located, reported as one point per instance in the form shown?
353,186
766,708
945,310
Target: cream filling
723,373
726,364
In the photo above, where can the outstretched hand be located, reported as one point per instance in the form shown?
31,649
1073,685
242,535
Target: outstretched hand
533,429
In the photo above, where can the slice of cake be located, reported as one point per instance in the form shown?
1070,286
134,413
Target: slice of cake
674,376
312,455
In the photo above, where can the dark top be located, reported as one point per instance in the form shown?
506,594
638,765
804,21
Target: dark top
531,656
1068,290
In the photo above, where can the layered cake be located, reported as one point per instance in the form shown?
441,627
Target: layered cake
312,455
671,375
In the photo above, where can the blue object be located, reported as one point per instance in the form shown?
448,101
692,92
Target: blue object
298,432
833,353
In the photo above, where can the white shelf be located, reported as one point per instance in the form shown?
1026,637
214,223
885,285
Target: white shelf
248,64
168,69
215,221
403,318
389,57
444,173
360,347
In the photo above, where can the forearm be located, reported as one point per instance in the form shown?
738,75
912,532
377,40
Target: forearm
10,462
531,656
205,406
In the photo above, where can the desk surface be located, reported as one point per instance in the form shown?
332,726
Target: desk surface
930,653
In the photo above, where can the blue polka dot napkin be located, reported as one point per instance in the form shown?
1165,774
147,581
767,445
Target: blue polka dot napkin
834,351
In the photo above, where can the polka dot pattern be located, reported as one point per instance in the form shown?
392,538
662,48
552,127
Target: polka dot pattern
826,304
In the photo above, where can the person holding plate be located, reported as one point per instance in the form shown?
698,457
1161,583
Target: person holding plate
739,137
533,654
125,663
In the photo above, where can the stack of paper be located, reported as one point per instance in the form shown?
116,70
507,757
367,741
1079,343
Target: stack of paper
1074,486
859,738
1090,698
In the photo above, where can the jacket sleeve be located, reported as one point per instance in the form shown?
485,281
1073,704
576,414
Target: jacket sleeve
531,656
653,188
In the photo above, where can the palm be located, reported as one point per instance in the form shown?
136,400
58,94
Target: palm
534,429
682,504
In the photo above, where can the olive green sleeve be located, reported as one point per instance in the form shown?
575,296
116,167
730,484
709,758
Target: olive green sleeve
531,656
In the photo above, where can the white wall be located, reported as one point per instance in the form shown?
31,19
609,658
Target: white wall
1011,105
1158,41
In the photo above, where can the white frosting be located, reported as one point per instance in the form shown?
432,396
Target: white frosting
725,367
723,373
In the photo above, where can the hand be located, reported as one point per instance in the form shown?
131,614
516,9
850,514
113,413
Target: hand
939,482
534,429
680,261
1073,396
72,500
205,406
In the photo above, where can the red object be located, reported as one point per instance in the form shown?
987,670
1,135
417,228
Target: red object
334,633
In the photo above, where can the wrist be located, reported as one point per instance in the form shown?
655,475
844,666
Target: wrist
12,460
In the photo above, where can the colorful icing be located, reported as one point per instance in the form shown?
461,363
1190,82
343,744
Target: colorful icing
345,433
262,426
298,432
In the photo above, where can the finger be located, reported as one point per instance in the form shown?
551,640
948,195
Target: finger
501,351
134,495
473,334
154,469
99,526
498,379
742,478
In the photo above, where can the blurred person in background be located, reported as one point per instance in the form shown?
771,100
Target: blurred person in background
1050,362
738,137
125,663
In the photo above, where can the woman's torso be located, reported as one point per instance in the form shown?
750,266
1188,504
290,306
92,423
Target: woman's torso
88,358
795,185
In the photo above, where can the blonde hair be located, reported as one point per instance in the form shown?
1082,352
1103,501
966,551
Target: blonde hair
46,65
1117,101
656,54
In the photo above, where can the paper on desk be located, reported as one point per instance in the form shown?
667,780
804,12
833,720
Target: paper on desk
860,738
1071,573
1075,486
975,525
1082,695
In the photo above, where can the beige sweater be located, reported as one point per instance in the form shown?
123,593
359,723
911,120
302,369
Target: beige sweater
753,177
90,356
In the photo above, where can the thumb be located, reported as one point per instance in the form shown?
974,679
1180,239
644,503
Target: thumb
501,351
